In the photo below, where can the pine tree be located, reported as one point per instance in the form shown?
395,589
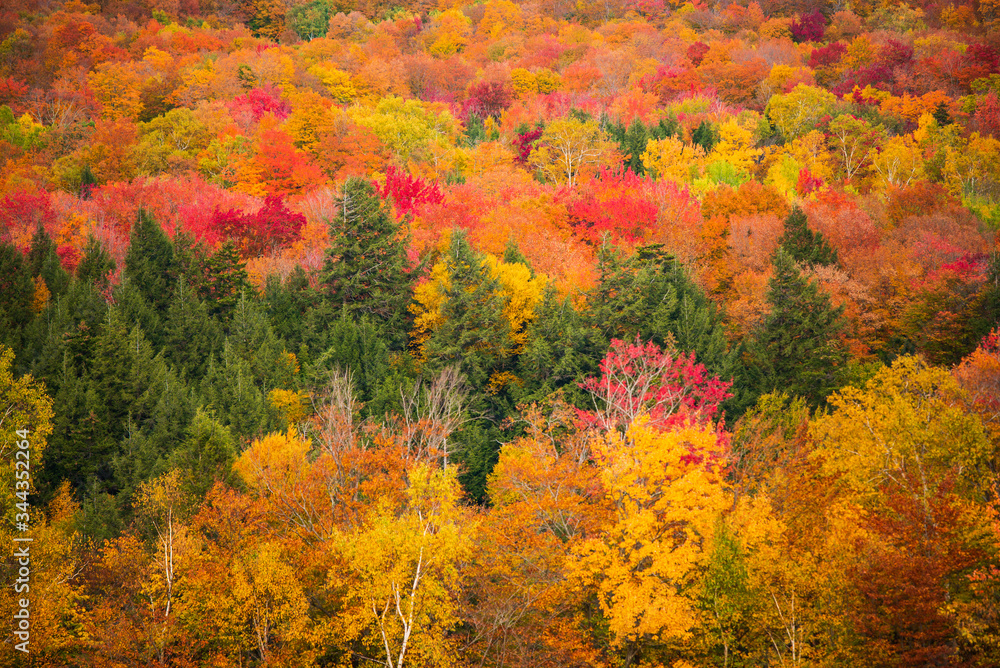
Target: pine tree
96,265
634,146
226,280
652,296
473,331
798,349
802,244
149,263
16,292
191,336
366,270
705,136
205,456
44,261
562,350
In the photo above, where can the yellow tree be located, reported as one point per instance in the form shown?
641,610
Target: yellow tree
736,146
668,493
55,599
906,429
25,424
520,599
673,159
798,112
118,87
566,148
899,162
404,570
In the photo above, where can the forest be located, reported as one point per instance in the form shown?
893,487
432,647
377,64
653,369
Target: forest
492,333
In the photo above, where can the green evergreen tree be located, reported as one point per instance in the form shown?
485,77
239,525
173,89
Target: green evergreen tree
49,336
512,255
191,336
651,295
16,293
366,269
802,244
149,264
562,349
44,261
252,340
231,391
705,136
356,346
634,145
226,281
287,304
206,456
798,349
474,332
96,265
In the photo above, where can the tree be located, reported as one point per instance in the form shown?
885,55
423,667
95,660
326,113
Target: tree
804,246
405,564
667,492
669,389
25,425
521,603
272,226
459,315
16,292
651,295
906,430
191,337
97,264
800,111
43,261
915,459
567,147
149,263
225,282
798,347
854,141
367,269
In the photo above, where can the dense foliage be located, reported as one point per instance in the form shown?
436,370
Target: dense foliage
518,334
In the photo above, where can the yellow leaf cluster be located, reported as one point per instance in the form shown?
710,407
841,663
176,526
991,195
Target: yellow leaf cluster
668,493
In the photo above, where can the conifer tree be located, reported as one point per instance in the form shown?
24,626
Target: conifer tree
798,349
191,336
634,145
16,292
96,264
472,330
44,261
366,270
802,244
226,280
562,349
149,263
652,296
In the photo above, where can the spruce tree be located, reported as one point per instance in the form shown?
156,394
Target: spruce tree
366,270
149,263
16,292
191,336
634,145
44,261
798,349
651,295
802,244
96,265
562,349
226,280
473,332
705,136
